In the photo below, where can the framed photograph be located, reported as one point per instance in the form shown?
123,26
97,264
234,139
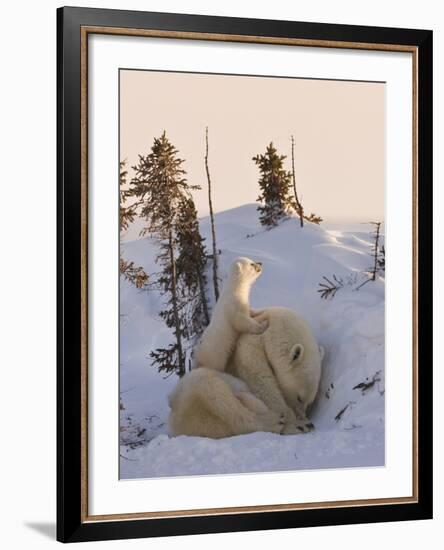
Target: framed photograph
235,352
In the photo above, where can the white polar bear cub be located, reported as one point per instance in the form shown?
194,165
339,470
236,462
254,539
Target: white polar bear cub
209,403
231,317
281,367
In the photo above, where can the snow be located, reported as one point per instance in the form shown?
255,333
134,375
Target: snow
349,420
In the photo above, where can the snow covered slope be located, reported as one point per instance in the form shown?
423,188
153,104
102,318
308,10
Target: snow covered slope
349,410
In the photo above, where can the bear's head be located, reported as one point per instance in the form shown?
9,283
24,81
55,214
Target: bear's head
247,269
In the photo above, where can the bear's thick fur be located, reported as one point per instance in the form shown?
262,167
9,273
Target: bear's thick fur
209,403
231,317
282,366
274,378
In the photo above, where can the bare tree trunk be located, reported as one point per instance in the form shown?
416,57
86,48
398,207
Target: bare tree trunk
213,231
298,204
203,297
175,306
376,249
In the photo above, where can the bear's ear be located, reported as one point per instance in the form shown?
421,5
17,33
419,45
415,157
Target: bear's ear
297,353
238,266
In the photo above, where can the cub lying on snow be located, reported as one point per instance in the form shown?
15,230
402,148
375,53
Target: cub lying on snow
276,377
231,317
209,403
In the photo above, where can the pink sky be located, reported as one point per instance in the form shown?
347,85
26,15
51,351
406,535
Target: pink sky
339,131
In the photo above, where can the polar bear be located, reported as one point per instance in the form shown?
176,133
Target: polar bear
231,317
270,382
282,367
209,403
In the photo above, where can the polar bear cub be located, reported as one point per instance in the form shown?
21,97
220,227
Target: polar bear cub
231,317
282,367
209,403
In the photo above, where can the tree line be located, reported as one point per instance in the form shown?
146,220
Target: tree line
160,195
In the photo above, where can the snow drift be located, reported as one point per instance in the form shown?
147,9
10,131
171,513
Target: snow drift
349,410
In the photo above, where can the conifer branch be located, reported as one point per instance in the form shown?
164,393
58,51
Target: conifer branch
329,288
133,274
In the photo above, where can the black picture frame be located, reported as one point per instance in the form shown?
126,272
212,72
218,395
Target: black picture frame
72,522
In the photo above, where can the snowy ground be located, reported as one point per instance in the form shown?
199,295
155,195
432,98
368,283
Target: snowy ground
349,420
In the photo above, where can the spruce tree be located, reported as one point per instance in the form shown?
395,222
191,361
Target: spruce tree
190,288
275,184
161,187
376,250
191,262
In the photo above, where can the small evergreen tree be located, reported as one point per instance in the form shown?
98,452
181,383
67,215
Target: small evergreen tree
190,288
190,264
378,255
376,250
275,185
161,187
